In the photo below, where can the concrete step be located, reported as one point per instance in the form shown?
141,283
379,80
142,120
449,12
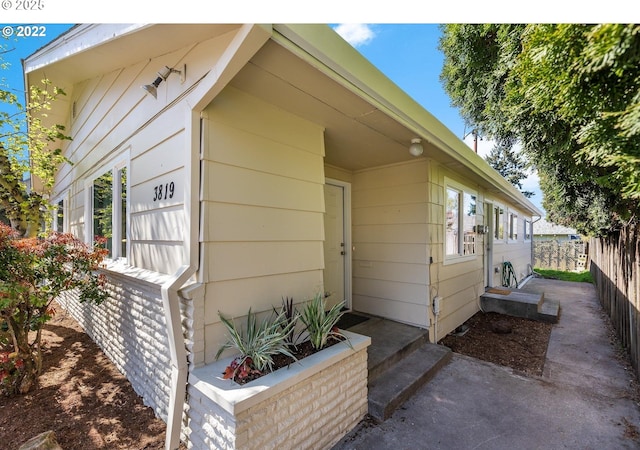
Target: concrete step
549,311
400,380
390,342
519,303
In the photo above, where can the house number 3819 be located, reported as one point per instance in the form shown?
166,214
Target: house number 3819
163,191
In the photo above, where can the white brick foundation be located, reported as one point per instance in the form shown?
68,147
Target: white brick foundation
308,405
311,404
130,328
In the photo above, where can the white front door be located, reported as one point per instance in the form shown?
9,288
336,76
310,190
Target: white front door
336,282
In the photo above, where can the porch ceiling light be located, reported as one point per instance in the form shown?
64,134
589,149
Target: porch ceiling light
416,147
163,74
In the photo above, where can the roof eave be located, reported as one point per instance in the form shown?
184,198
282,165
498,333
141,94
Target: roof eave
339,60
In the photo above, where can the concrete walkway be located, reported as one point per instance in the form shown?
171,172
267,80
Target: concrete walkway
584,400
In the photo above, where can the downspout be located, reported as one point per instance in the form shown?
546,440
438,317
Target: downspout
532,246
177,349
169,291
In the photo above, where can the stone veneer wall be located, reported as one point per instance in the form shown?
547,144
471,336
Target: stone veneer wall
315,411
130,328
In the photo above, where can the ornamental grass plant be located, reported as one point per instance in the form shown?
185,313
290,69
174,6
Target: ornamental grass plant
257,344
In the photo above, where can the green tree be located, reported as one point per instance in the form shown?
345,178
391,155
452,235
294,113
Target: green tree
33,273
34,270
510,164
28,146
570,95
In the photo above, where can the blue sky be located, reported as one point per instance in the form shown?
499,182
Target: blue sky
406,53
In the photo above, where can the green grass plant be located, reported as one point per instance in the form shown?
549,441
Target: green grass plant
321,324
582,277
258,343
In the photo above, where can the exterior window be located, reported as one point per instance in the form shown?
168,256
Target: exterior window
109,210
59,219
460,236
60,213
527,230
453,223
513,227
469,224
498,222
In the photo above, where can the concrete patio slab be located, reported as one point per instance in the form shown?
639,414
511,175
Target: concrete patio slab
584,400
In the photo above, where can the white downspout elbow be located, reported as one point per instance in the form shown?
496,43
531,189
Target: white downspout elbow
178,352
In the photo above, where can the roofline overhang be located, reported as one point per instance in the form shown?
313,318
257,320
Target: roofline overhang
325,50
320,46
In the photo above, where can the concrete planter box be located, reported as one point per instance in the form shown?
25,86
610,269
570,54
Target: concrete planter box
310,404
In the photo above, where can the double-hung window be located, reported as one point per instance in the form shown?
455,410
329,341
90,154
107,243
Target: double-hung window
107,215
60,221
513,226
498,223
527,230
460,221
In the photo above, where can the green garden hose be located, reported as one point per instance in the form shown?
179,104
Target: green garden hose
508,274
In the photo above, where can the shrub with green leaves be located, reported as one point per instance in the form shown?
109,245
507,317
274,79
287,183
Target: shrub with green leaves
321,324
256,343
33,272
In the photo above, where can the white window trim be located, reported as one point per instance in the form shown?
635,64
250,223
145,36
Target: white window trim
461,188
510,238
524,232
115,164
496,224
64,197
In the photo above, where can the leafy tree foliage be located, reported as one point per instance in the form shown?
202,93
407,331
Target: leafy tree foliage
33,270
510,164
570,95
33,273
26,141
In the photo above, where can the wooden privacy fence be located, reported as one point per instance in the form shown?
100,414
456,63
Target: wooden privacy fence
560,255
615,267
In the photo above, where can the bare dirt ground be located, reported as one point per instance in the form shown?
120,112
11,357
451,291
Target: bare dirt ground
89,405
81,397
509,341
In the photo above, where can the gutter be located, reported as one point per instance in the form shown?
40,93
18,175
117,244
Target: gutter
179,365
169,290
249,39
329,53
532,242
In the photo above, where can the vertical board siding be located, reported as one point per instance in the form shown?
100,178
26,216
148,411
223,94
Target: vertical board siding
263,206
390,213
615,267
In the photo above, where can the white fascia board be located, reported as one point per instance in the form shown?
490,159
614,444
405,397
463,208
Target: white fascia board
328,52
77,40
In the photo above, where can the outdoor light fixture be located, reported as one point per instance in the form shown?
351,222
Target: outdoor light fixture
163,74
416,147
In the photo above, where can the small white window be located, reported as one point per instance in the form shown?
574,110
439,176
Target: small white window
60,221
527,230
108,210
460,221
498,222
513,226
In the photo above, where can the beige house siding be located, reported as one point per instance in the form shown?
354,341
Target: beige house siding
457,281
262,209
390,260
112,119
516,251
